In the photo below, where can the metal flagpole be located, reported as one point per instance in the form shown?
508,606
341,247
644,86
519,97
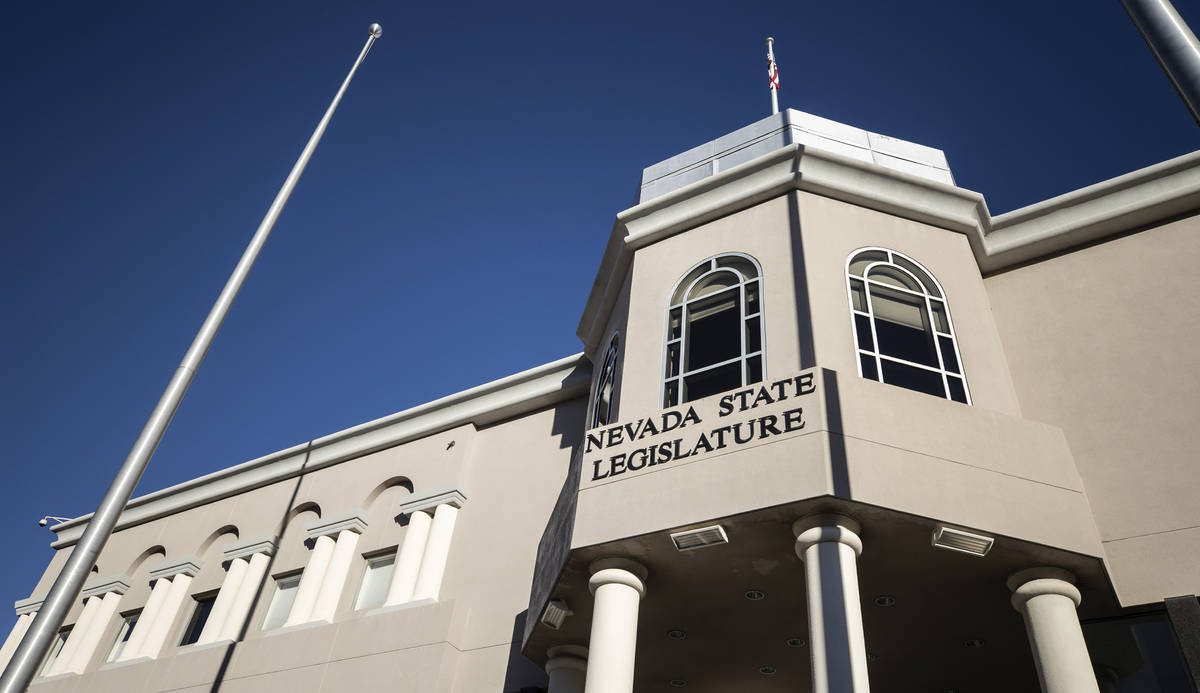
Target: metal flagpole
1173,43
773,75
29,654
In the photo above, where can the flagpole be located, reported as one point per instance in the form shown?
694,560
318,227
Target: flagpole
24,664
773,74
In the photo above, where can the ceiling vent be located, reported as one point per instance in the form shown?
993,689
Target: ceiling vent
961,540
699,538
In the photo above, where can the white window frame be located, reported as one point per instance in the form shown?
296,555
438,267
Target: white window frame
608,377
744,358
929,296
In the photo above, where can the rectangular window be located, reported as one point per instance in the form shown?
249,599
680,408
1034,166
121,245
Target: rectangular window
127,626
376,577
55,648
281,601
200,611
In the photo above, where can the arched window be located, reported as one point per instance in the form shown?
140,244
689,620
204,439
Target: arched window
602,402
714,330
902,325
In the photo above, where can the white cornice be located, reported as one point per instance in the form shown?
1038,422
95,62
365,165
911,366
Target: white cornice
28,605
104,585
452,496
189,566
334,525
1146,196
530,390
249,547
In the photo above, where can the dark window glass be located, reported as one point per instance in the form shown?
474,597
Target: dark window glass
957,392
199,617
1137,654
862,327
753,336
671,394
754,370
673,331
913,378
948,357
713,381
751,298
673,359
868,366
714,334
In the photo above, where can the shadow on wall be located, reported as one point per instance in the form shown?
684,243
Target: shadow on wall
289,512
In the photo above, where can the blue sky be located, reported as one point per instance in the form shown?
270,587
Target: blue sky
448,229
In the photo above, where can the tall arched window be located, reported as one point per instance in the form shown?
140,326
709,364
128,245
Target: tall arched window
602,404
902,325
714,330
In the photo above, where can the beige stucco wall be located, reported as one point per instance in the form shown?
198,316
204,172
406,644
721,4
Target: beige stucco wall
510,472
1102,342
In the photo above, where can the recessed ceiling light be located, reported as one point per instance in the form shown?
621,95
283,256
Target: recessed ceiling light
676,634
885,600
755,595
795,642
678,683
766,670
975,643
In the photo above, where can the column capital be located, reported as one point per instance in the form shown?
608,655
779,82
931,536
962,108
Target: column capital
430,500
189,566
248,547
567,657
102,585
1034,582
814,529
621,571
28,605
335,524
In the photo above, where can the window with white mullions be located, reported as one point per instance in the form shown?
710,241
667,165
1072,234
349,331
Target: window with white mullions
902,329
714,338
603,412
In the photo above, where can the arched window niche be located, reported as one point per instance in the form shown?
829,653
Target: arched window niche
902,327
603,411
714,330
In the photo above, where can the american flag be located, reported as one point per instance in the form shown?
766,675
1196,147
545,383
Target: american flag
772,69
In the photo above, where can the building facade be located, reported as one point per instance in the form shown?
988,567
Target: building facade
834,428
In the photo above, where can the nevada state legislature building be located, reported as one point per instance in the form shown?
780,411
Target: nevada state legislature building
834,428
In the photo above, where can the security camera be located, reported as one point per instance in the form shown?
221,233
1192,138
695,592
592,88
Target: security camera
42,522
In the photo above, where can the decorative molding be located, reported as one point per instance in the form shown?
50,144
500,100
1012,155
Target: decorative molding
531,390
326,526
1150,195
249,547
189,566
28,605
429,501
104,585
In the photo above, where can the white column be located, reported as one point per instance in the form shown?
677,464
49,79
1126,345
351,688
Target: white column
137,639
567,668
225,596
310,581
408,561
243,600
1046,598
77,634
14,637
160,629
95,630
335,575
829,545
618,585
437,550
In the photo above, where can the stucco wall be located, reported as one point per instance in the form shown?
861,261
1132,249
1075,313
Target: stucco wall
1102,342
